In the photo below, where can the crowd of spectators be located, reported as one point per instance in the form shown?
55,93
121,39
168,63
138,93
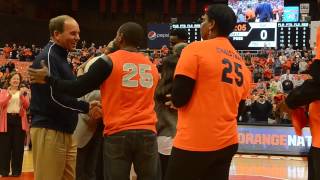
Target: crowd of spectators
274,74
25,53
21,52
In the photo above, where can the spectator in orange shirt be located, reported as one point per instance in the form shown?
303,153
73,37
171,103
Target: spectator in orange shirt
6,51
250,14
317,48
210,74
27,53
287,65
270,60
164,50
267,75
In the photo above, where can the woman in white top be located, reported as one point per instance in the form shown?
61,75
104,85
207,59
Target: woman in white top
13,125
167,117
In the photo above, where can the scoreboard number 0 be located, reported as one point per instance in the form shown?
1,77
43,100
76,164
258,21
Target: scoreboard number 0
264,34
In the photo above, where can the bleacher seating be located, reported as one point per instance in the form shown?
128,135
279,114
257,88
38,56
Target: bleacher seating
21,67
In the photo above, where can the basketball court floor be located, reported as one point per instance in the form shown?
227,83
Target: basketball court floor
243,167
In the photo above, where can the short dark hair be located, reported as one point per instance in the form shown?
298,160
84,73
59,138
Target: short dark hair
224,18
57,23
132,32
180,33
178,48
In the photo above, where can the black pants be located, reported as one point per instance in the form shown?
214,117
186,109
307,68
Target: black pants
164,160
131,146
87,158
314,164
188,165
12,147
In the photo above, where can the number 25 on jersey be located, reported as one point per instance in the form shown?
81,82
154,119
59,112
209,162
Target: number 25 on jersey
129,80
230,67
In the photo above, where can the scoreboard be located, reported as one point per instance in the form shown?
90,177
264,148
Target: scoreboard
192,28
248,36
254,35
296,34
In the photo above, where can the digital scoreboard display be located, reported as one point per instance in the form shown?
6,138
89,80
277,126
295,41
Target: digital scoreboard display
254,35
296,34
192,28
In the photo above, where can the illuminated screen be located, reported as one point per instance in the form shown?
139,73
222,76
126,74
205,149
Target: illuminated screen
257,10
291,14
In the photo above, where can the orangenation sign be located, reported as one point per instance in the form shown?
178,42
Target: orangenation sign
273,140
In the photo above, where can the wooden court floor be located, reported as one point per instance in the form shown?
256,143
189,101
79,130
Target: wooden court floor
243,167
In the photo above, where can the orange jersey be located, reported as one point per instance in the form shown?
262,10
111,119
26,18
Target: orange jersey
318,44
287,64
27,52
127,94
268,73
6,51
208,122
314,110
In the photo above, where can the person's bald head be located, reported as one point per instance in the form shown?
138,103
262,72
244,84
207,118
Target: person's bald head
57,23
131,33
64,31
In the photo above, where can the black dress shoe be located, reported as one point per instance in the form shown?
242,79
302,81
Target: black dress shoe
16,175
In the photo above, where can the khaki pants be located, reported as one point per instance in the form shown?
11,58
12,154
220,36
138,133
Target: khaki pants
54,154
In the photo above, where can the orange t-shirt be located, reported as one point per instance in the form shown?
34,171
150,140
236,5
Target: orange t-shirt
250,14
127,94
318,44
6,51
208,122
27,52
314,116
287,64
268,73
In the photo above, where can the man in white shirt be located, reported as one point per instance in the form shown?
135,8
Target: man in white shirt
303,66
286,76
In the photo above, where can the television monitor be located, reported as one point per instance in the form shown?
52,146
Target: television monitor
291,14
257,10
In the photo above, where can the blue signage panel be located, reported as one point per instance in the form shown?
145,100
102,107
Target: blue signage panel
273,140
158,35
